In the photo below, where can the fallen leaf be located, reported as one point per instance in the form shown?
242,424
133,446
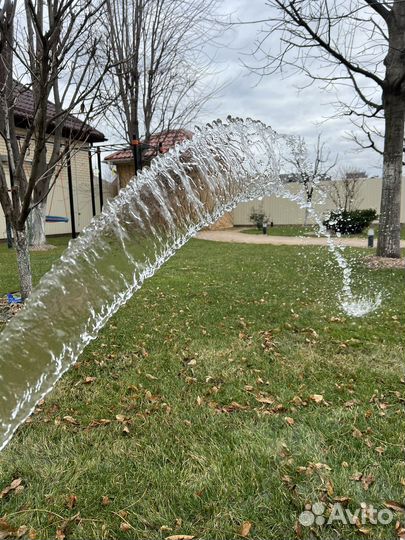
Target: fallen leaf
60,535
357,434
342,500
125,526
317,398
357,476
245,529
71,420
364,531
180,537
101,422
120,418
21,531
15,484
366,481
329,488
267,400
105,500
125,430
71,501
396,506
89,380
290,421
298,529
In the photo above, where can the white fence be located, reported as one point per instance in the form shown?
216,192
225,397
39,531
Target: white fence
284,212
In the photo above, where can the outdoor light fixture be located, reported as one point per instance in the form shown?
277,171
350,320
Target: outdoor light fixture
371,238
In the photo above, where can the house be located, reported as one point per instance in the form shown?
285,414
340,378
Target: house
123,161
162,142
58,202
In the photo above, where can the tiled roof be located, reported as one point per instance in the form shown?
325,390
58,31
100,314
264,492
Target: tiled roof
168,139
24,111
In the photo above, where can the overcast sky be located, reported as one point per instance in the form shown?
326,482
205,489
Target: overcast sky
277,101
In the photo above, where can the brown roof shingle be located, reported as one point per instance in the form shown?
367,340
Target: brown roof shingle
167,139
24,112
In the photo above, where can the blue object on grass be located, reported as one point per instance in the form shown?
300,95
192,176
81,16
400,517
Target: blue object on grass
13,299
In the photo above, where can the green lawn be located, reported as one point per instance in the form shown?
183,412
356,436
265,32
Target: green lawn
284,230
230,390
310,230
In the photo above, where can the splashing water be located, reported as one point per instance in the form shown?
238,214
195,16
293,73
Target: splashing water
353,306
164,206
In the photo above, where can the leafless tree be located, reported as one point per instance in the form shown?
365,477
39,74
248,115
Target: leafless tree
344,192
159,48
307,170
356,43
48,51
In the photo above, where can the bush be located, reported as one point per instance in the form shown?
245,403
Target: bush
259,218
353,222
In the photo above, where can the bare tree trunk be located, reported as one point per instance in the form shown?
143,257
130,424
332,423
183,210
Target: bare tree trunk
23,262
36,225
390,211
306,217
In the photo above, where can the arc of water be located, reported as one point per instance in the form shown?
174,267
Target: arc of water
182,191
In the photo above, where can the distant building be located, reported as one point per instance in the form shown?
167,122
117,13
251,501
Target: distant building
58,199
162,142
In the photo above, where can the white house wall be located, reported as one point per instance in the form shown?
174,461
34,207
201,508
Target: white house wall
58,199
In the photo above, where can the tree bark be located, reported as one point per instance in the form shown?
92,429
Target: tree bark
36,225
390,211
23,262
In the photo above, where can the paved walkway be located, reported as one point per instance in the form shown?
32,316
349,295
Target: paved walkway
236,236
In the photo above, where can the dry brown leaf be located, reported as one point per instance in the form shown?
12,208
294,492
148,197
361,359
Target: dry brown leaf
101,422
290,421
366,481
266,400
298,529
342,500
357,434
60,535
317,398
329,488
125,526
14,486
245,529
396,506
89,380
71,501
179,537
120,418
71,420
21,531
105,500
125,430
357,476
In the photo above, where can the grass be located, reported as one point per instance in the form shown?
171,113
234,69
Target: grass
283,230
309,230
182,407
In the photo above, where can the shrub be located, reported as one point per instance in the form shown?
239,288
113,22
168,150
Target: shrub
258,217
353,222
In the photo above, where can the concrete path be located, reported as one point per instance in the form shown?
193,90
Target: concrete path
236,236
